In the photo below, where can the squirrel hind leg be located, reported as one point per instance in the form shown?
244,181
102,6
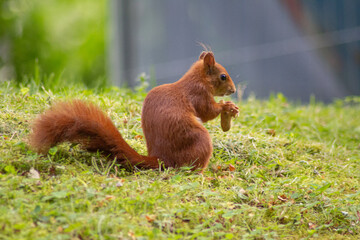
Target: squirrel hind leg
196,154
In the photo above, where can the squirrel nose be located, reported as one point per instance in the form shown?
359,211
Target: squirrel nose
232,90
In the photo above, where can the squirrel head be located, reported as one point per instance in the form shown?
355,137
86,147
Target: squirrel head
216,75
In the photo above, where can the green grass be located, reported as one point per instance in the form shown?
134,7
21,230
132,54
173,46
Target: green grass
54,40
284,171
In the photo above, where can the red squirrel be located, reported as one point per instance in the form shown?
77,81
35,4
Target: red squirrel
172,117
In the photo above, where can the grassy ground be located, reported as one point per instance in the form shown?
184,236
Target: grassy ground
284,171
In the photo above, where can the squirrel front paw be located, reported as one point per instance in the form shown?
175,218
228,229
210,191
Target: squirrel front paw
229,108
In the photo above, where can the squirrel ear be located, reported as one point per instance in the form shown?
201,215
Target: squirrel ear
202,55
209,60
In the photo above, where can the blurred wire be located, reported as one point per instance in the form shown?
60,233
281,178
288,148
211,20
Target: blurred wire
265,51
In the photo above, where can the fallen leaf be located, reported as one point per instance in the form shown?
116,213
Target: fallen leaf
132,235
231,168
52,171
312,226
186,220
99,204
138,137
271,132
109,197
216,167
33,174
150,218
282,198
243,191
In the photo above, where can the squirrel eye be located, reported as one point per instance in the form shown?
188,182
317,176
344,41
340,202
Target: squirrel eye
223,77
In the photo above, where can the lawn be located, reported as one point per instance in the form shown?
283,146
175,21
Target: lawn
284,171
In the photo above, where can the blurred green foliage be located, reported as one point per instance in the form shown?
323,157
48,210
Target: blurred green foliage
52,40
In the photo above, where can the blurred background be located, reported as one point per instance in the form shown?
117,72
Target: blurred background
300,48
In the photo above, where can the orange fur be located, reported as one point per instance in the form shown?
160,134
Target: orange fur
170,122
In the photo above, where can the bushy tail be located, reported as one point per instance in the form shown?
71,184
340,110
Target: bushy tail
82,122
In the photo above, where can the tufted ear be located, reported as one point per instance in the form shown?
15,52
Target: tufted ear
209,61
202,55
